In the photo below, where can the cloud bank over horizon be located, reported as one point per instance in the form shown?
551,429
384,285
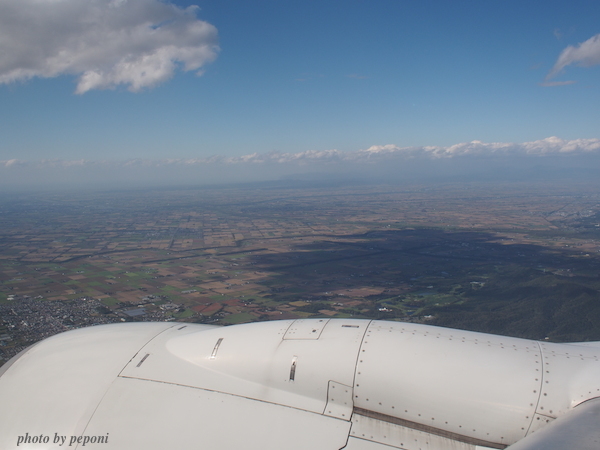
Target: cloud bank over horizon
104,43
551,146
546,159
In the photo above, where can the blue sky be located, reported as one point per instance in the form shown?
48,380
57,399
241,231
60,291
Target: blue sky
291,77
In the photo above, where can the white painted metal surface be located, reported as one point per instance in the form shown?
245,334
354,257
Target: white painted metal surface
571,375
258,361
55,386
306,329
579,429
367,431
187,418
313,383
474,385
339,401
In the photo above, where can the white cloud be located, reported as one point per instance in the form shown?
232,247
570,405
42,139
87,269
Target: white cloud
10,162
374,154
547,146
558,34
557,83
586,54
106,43
555,145
357,77
542,159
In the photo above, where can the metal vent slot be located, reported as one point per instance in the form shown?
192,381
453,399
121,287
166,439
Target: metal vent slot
293,368
213,355
143,359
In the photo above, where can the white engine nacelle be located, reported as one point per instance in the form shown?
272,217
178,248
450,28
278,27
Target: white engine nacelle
303,384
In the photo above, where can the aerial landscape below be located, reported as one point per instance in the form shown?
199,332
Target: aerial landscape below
519,259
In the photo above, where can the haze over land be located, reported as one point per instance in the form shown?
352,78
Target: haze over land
519,259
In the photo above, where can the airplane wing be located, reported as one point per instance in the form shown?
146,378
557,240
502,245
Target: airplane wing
297,384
